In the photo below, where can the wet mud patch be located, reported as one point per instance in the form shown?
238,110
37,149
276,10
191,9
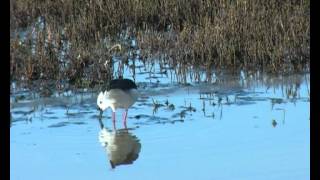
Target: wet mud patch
62,124
141,116
144,119
78,114
50,117
22,112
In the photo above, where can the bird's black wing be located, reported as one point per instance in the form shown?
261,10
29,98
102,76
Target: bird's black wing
123,84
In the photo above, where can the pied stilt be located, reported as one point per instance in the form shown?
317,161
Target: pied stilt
120,93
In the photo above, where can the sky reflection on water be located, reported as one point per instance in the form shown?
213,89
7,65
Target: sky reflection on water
196,132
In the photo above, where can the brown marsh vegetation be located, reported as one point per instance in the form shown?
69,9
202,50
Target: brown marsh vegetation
69,40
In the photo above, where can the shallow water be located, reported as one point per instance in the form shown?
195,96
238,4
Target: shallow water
234,129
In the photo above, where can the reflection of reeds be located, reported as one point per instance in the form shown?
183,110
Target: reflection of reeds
307,81
156,106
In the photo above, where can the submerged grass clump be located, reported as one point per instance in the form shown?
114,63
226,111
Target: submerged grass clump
70,40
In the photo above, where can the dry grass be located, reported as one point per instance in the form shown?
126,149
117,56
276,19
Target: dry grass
272,36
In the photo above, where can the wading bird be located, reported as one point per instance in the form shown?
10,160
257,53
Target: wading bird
120,93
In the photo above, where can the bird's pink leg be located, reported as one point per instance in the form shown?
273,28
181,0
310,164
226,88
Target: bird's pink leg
114,119
125,118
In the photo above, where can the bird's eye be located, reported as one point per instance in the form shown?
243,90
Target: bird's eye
100,102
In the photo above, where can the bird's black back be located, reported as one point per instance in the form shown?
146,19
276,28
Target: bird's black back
123,84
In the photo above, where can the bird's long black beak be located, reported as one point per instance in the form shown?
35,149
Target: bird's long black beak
112,164
101,112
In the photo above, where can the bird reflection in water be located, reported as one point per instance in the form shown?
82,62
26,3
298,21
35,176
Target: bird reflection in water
121,146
